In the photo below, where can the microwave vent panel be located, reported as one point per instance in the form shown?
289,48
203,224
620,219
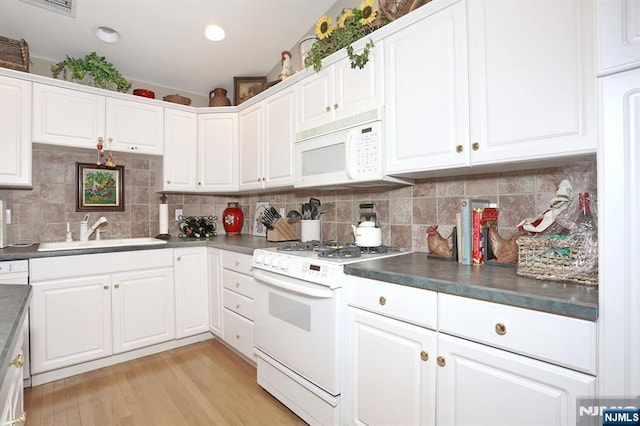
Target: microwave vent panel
344,123
64,7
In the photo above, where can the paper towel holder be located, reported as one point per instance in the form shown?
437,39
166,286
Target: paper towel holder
163,200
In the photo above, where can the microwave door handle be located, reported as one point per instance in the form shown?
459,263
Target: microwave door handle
288,284
347,155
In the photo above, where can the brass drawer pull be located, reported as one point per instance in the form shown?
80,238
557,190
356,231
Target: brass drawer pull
18,361
459,148
441,361
382,300
18,420
116,286
475,146
501,329
424,355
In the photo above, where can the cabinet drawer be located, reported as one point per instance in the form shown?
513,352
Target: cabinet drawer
237,262
408,304
238,333
240,283
561,340
238,303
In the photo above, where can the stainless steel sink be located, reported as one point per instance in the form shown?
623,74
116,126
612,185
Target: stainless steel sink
116,242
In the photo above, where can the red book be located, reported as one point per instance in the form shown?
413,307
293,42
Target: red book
477,237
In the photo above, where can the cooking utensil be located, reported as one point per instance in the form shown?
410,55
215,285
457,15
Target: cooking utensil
315,203
293,216
325,208
306,211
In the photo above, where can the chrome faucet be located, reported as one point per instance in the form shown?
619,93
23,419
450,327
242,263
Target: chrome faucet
86,230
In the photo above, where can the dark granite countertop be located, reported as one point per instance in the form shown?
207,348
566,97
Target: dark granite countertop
243,243
491,283
14,302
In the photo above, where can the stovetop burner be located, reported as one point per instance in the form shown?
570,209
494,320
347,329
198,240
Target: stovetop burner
340,250
297,245
332,248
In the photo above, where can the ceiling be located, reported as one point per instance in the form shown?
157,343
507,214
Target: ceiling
162,41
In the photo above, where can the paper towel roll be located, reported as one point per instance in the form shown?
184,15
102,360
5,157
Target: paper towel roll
163,218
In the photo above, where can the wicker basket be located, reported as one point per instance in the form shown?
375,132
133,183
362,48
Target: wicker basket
558,258
393,9
14,54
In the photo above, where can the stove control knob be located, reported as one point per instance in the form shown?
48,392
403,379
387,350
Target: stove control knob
284,264
267,260
259,258
276,262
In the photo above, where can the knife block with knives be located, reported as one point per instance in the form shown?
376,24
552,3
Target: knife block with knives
277,227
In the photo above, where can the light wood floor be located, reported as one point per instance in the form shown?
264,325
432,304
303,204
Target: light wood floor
200,384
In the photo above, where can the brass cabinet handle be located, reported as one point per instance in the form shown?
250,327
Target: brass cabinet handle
328,108
18,361
238,336
237,263
168,181
238,306
237,285
116,286
382,300
199,183
335,106
475,146
106,287
441,361
424,355
501,329
18,420
459,148
179,258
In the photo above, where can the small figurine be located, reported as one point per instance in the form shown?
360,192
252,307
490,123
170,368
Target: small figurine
287,69
438,245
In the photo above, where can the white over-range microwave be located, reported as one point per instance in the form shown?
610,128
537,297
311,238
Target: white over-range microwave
348,153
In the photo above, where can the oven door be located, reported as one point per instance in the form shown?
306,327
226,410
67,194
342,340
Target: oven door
297,323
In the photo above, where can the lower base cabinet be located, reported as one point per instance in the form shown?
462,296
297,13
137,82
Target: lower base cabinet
403,373
11,388
78,317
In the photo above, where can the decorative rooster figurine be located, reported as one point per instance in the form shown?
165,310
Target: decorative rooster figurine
438,245
505,250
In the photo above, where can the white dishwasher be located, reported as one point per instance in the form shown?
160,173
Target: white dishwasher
17,272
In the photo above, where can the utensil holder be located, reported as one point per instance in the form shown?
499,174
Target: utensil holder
310,230
281,232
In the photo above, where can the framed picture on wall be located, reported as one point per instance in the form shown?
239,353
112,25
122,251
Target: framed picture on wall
100,188
247,87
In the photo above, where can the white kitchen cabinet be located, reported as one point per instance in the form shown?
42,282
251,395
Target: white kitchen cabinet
200,152
93,306
192,290
11,386
217,152
70,321
392,371
481,385
618,35
214,265
143,308
77,118
472,370
15,132
426,93
531,96
237,297
266,142
338,91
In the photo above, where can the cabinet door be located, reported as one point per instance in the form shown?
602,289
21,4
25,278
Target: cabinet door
315,96
279,123
15,132
532,86
178,171
143,309
67,117
480,385
359,89
192,293
618,35
250,148
215,290
70,322
217,152
134,127
391,371
426,90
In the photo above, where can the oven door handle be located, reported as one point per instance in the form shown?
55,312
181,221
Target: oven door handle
288,284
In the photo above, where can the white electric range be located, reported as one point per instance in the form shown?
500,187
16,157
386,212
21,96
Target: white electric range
299,323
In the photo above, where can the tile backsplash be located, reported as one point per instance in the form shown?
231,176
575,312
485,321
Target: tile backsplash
404,213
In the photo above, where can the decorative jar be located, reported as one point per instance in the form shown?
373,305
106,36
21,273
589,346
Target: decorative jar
219,98
232,218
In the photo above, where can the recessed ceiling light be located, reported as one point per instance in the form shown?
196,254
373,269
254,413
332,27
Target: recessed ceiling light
108,35
214,33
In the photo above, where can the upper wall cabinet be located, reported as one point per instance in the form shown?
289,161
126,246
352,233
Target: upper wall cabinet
338,91
532,79
266,142
426,93
15,132
76,118
618,35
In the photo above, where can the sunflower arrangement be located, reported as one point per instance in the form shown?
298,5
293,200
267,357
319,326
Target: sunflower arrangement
352,25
